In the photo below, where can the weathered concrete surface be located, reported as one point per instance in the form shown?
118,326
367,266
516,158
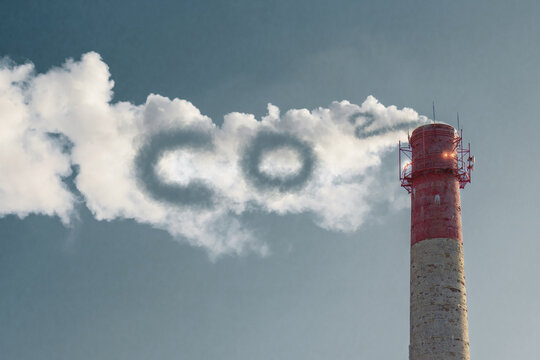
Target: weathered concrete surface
439,329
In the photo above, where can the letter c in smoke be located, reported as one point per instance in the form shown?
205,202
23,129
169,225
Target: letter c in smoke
196,193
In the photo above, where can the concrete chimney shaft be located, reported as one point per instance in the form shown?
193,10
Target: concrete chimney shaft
438,313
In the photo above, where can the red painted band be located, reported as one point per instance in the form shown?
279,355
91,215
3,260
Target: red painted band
435,202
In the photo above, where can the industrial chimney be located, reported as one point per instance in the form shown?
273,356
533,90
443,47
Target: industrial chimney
436,167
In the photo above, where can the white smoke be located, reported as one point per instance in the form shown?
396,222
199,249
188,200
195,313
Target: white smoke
342,144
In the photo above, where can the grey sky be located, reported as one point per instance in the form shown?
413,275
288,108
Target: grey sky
121,290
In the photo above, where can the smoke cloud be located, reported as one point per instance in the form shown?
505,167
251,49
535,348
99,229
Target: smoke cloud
165,164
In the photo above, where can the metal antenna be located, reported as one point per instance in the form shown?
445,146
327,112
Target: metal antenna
433,110
458,121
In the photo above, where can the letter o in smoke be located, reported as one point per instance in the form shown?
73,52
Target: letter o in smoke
196,193
264,142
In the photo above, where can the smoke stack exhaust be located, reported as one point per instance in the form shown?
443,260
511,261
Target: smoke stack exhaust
437,167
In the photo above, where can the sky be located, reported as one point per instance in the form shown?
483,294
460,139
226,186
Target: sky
274,225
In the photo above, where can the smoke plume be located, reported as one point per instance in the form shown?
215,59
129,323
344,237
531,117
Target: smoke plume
165,164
